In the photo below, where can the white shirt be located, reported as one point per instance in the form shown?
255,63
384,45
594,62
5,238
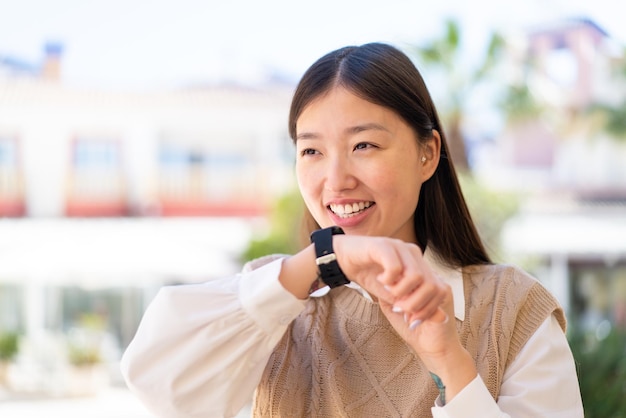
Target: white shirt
200,351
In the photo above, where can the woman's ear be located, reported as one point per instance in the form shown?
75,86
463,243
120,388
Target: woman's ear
431,151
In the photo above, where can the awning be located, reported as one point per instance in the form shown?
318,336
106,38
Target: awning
598,235
120,251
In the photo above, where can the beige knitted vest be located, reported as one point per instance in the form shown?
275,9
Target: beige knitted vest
342,358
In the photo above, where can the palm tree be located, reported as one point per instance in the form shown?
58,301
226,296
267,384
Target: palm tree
444,54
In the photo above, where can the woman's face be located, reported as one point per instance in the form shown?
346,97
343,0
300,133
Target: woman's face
359,166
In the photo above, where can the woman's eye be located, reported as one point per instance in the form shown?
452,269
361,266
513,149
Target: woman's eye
308,151
363,145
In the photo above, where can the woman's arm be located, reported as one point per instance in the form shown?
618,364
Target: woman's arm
200,350
540,382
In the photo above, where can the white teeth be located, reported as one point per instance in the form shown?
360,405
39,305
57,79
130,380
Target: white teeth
349,209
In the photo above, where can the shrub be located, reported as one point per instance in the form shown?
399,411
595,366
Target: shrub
601,364
9,345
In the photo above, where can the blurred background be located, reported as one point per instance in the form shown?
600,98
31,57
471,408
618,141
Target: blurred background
144,143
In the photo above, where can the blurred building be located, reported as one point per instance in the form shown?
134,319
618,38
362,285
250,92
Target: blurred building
559,151
107,195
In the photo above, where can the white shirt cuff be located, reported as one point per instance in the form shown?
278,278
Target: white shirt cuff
473,401
265,300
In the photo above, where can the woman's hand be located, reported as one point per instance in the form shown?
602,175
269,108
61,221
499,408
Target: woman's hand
393,271
436,342
434,338
417,303
412,297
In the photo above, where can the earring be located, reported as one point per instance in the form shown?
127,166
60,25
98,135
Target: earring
423,159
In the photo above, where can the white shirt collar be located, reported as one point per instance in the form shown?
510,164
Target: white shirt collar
454,277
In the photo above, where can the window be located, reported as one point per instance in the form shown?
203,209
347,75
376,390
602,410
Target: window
96,181
11,310
197,179
11,180
183,174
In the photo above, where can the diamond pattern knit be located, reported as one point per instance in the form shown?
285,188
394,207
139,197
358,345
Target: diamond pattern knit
342,358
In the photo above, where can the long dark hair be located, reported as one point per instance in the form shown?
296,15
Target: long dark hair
384,75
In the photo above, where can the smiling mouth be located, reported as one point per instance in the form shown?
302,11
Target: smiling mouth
348,210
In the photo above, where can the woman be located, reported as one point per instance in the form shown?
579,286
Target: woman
416,320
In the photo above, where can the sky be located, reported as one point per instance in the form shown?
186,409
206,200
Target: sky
145,44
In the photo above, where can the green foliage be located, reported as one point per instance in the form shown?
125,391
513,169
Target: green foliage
444,57
92,321
84,341
612,116
443,51
613,119
519,104
601,372
81,355
284,229
490,209
9,345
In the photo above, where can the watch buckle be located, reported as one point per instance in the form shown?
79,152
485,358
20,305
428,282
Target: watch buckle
325,259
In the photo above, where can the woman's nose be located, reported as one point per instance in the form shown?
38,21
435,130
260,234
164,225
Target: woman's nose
340,175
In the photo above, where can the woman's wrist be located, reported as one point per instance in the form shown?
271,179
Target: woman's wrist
299,273
317,284
454,371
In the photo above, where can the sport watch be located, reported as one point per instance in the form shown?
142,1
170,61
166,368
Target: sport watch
326,260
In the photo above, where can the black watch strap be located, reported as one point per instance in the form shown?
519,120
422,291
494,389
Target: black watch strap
326,260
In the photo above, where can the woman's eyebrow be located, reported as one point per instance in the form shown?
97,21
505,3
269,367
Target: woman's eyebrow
307,135
372,126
